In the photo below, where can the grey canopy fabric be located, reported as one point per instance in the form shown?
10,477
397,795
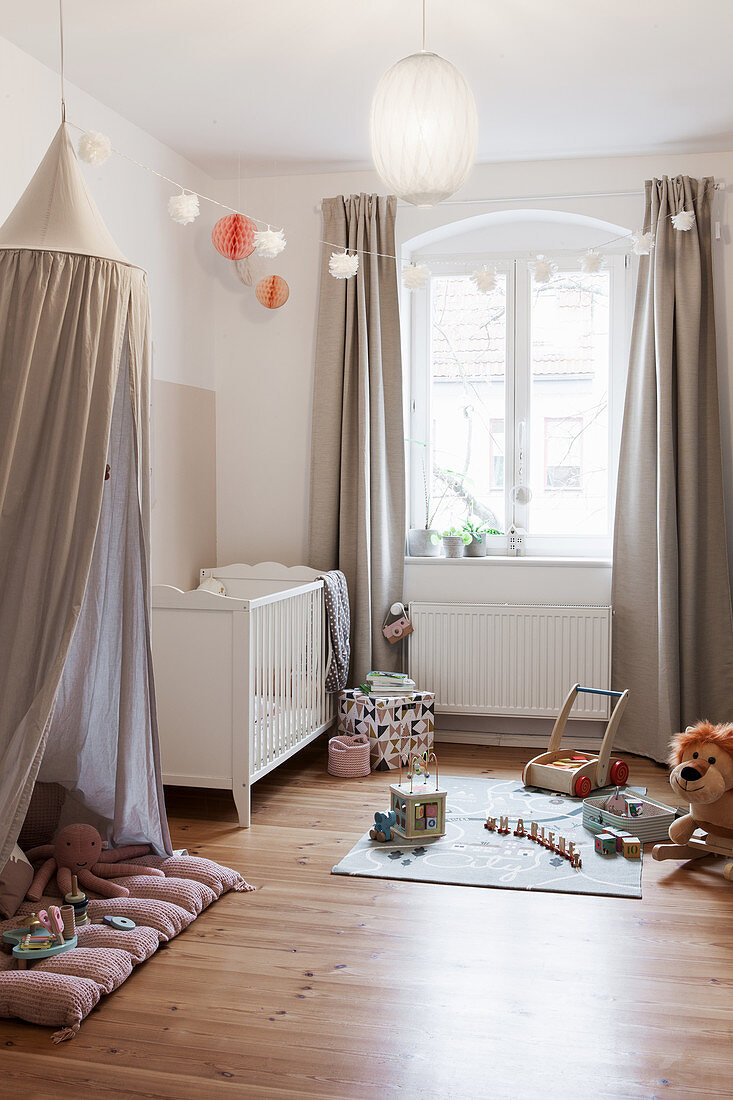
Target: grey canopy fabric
77,702
673,629
357,485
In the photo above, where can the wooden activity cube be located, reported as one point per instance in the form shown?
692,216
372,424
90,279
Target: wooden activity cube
420,811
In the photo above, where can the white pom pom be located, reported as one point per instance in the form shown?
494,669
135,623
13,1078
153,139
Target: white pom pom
591,262
249,270
485,279
184,208
684,221
342,265
94,148
543,269
415,276
270,243
641,244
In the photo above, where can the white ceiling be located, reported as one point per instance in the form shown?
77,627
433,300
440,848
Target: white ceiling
285,85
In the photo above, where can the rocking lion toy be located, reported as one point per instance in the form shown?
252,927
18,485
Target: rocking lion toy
702,773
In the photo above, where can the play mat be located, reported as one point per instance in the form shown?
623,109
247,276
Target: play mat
61,991
470,855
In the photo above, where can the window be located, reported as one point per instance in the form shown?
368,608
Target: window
516,400
496,453
563,452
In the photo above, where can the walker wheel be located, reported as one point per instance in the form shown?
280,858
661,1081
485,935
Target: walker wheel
583,787
619,773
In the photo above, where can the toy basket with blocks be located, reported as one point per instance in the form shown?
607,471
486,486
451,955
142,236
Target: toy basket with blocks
579,773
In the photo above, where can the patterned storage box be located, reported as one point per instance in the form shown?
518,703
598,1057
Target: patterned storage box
396,725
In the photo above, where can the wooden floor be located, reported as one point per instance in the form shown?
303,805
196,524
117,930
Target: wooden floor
318,985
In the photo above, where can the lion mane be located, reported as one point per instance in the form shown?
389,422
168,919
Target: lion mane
721,735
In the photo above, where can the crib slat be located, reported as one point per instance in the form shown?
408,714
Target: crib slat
297,658
313,659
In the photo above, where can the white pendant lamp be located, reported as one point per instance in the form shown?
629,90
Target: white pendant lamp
424,128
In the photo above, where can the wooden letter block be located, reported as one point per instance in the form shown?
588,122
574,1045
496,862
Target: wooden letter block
605,844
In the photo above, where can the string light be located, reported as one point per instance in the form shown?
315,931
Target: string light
641,243
206,198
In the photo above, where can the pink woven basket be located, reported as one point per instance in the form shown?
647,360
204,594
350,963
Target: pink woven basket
349,756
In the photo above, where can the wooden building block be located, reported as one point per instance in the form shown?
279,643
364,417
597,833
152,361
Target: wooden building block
605,844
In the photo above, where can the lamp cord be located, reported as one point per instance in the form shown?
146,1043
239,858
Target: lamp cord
61,45
424,23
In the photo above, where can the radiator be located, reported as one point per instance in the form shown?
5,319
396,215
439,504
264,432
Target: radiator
510,659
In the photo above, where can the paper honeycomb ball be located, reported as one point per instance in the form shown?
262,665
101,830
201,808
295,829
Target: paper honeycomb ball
249,270
272,292
234,236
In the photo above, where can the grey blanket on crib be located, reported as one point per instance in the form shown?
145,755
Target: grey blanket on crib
339,628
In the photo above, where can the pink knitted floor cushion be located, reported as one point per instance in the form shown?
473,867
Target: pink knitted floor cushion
61,991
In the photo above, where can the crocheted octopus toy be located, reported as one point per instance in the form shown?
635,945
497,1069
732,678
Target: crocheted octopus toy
78,850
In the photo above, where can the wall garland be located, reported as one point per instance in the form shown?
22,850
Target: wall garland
344,264
236,236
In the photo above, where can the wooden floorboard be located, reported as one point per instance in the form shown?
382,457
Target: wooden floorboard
324,986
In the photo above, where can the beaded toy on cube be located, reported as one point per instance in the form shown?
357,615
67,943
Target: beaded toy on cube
419,810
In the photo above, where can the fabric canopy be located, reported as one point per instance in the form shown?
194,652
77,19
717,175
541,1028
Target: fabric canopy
77,702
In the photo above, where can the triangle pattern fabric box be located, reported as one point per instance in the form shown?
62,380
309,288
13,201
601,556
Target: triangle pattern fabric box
396,726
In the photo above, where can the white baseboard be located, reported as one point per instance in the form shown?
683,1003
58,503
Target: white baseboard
518,740
530,733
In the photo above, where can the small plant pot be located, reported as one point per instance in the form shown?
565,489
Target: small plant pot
454,546
422,542
476,548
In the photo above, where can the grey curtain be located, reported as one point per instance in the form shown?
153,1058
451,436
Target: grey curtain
77,702
74,548
357,485
673,629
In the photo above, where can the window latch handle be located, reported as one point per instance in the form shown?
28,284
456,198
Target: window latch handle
521,493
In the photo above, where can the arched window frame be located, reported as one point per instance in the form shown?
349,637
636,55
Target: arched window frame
515,265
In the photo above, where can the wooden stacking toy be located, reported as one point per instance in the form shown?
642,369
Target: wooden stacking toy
80,902
42,938
67,915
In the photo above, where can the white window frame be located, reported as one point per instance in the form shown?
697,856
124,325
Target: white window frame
517,388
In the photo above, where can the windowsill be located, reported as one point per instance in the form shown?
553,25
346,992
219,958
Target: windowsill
525,560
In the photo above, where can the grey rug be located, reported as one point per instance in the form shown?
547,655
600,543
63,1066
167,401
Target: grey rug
469,855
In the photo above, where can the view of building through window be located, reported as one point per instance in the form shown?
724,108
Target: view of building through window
468,353
526,366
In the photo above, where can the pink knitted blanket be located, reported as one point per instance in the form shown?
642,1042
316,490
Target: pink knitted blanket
61,991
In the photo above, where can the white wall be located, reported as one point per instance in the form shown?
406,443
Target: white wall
179,261
132,203
265,359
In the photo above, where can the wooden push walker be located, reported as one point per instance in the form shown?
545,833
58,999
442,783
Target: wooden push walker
578,773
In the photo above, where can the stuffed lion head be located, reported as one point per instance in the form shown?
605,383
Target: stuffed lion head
701,759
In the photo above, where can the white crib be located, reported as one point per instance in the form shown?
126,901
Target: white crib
240,679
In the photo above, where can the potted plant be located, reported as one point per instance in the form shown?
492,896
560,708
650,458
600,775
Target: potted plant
454,542
476,533
424,542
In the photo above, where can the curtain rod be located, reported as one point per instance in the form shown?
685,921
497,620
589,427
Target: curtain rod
719,186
